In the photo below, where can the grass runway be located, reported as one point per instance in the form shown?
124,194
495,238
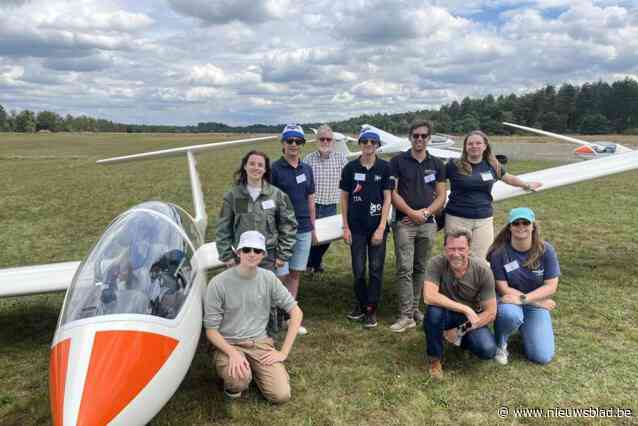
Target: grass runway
55,202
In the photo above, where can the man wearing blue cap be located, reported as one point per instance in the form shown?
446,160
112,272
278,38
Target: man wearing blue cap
366,187
418,194
296,179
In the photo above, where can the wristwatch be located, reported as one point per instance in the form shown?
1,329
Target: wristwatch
523,298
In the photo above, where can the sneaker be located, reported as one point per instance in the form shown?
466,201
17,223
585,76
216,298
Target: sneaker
301,332
230,395
417,316
402,324
231,407
357,313
501,354
436,370
370,320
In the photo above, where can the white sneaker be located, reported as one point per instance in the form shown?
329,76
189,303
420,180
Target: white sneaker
301,332
501,354
402,324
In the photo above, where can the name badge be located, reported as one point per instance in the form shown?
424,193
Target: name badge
487,176
268,204
301,178
512,266
360,177
429,178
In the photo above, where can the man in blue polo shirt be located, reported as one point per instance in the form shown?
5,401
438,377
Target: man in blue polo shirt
366,193
418,194
295,178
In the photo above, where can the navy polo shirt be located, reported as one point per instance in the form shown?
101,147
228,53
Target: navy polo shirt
365,193
298,183
417,181
471,195
507,265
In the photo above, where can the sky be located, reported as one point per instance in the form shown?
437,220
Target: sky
276,61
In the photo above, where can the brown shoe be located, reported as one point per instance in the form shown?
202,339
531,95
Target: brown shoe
436,370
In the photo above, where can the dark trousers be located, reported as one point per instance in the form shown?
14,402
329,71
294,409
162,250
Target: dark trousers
437,319
362,248
317,252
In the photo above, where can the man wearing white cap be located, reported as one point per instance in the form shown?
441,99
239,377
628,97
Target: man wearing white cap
237,308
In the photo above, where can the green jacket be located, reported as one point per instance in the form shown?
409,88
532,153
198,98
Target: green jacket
271,214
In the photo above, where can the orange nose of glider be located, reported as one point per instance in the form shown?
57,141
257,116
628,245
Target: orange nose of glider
121,364
584,150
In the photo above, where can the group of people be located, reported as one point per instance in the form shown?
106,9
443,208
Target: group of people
266,231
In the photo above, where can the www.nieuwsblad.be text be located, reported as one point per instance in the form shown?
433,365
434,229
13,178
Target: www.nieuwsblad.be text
560,412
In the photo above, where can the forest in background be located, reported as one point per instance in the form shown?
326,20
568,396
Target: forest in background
593,108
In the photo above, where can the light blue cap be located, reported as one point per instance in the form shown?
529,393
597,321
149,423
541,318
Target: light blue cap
292,131
521,213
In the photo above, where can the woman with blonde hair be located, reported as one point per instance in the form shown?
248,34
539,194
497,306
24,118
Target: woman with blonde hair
471,179
526,272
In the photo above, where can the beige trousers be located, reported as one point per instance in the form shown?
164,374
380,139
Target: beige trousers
482,232
272,380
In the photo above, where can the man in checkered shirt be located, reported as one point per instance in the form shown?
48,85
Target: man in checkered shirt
326,167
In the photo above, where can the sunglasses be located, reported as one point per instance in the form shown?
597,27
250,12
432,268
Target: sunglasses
521,222
423,136
325,139
367,141
294,141
247,250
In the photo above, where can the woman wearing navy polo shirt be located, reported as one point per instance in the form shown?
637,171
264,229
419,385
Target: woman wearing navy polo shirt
526,271
471,179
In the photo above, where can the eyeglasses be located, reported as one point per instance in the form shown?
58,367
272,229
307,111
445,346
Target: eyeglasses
325,139
367,141
423,136
521,222
247,250
295,141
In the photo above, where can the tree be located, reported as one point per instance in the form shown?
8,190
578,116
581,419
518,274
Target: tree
25,121
47,120
3,119
594,124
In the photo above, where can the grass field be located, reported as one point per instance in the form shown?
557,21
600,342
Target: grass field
55,202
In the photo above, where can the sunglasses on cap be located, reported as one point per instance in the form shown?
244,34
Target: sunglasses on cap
295,141
521,222
420,136
247,250
367,141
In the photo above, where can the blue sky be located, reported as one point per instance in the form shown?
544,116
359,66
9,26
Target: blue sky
275,61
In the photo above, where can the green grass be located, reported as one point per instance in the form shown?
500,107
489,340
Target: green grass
56,202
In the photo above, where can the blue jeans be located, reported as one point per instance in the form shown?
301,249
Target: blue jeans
360,249
437,319
317,252
535,326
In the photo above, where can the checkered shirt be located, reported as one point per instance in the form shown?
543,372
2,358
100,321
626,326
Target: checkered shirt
327,173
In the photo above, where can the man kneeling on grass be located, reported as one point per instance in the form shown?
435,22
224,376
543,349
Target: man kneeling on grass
461,301
237,308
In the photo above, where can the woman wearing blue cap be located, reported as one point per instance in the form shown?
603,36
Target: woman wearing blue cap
526,271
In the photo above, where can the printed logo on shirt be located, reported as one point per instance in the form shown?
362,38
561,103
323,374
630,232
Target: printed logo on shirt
377,178
539,273
301,178
375,209
431,177
512,266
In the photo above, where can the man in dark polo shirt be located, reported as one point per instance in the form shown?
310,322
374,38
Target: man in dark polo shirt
461,301
295,178
366,187
418,194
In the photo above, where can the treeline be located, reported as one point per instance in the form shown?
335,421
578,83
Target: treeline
593,108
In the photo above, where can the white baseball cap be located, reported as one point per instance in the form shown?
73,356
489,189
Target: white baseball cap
252,239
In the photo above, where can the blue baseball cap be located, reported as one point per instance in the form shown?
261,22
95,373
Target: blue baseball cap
292,131
521,213
367,134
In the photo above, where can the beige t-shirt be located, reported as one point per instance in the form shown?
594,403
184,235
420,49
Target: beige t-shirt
474,287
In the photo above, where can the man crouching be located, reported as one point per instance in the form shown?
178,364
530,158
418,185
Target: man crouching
461,301
237,309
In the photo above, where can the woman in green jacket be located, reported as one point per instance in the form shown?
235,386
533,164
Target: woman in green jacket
254,204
